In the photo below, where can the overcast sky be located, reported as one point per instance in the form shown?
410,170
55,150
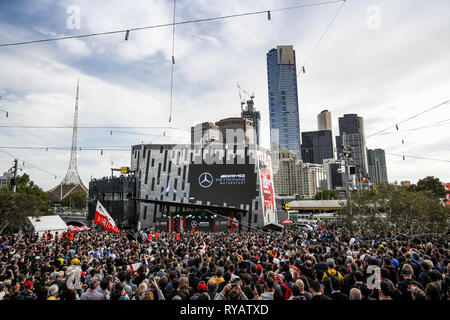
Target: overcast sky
384,60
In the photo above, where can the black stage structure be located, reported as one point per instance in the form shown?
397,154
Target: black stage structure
173,216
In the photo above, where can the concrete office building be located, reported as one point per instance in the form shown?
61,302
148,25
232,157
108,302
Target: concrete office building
351,133
324,121
205,132
335,172
294,178
5,180
234,127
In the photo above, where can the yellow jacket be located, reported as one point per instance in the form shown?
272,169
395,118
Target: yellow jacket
332,273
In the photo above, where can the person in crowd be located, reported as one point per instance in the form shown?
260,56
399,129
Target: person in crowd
355,294
405,286
287,265
53,292
316,291
92,293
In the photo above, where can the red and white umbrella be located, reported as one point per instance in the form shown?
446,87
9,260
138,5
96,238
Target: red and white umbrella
287,221
74,228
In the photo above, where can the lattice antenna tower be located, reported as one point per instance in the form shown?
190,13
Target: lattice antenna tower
72,176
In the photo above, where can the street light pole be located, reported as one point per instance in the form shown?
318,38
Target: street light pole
14,185
347,153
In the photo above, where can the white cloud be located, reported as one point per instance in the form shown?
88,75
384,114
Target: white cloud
383,75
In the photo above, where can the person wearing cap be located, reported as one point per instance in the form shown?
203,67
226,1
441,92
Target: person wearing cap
407,284
28,293
91,293
201,288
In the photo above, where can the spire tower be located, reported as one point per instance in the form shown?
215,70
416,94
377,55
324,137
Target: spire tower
72,181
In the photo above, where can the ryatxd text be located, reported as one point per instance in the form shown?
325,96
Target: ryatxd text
249,309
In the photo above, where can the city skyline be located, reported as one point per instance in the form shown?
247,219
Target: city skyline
379,73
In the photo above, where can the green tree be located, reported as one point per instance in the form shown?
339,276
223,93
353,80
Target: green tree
430,184
15,208
327,195
26,186
76,200
387,207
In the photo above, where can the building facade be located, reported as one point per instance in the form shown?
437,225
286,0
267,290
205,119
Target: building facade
228,177
5,180
294,178
236,130
351,133
205,132
335,172
250,113
324,121
317,146
283,99
376,159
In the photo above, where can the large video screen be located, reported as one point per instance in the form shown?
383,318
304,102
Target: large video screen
233,184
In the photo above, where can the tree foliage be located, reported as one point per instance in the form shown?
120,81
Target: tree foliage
326,195
76,200
25,185
431,185
387,207
15,208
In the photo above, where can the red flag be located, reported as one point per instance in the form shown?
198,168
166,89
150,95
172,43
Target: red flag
103,218
193,229
178,236
150,237
157,235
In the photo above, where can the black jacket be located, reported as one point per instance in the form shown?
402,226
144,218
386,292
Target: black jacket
339,296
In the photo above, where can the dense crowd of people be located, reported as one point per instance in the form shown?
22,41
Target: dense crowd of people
327,264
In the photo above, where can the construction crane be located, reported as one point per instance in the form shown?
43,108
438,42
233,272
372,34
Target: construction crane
252,96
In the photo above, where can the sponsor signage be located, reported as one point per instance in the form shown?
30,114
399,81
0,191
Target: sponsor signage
219,184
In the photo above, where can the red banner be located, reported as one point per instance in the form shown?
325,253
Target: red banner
103,218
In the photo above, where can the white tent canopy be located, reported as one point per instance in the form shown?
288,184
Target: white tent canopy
45,223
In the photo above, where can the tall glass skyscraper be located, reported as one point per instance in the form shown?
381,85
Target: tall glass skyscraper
283,99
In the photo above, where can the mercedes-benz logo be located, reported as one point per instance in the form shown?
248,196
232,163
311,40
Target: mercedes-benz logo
205,180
